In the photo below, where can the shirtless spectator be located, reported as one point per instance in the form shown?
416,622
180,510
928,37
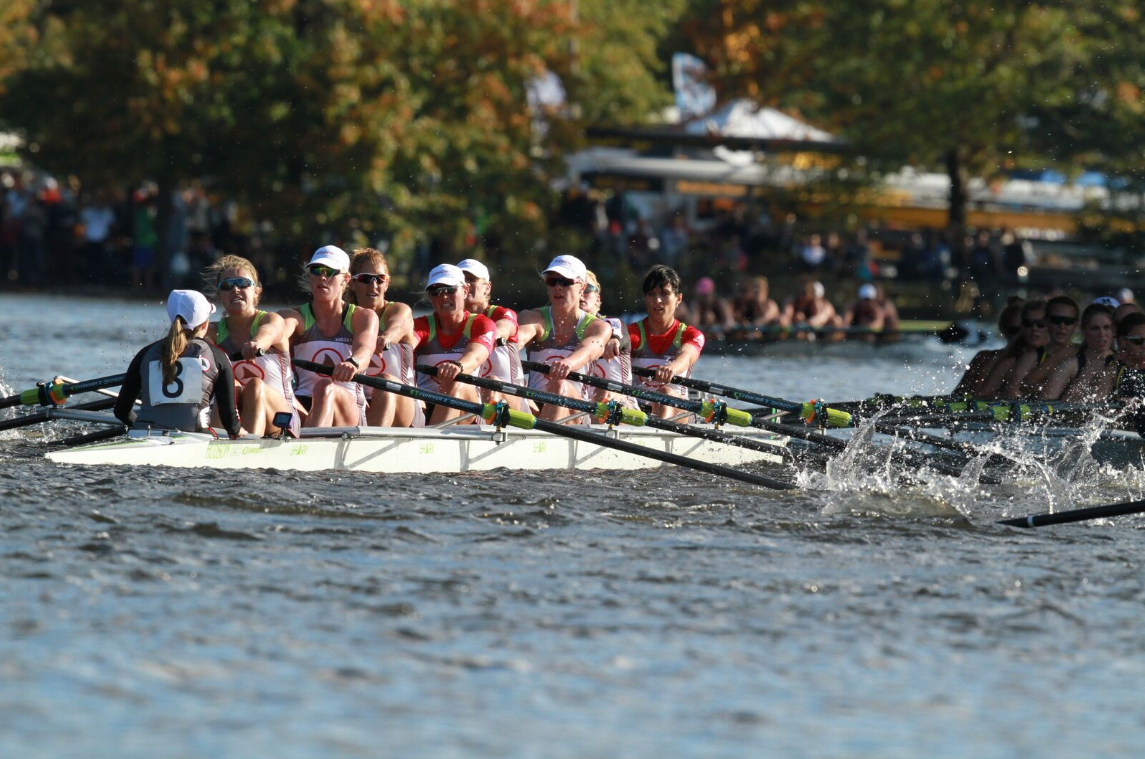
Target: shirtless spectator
707,311
753,305
865,313
809,311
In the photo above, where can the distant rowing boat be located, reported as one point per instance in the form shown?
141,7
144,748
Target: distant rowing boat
453,449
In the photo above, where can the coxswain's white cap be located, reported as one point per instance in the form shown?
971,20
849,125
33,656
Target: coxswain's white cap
192,305
1106,301
1125,295
474,267
332,256
820,291
867,292
568,266
445,274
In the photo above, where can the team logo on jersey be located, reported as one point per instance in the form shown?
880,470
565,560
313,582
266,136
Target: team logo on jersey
328,356
377,365
245,371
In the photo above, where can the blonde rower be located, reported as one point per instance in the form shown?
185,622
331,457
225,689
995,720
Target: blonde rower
393,355
562,334
615,363
263,375
327,330
1093,372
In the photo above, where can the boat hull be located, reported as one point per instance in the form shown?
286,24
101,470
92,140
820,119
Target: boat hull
412,451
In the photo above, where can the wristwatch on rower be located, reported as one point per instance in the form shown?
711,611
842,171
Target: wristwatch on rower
354,361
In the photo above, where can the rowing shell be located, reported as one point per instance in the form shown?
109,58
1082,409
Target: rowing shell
407,451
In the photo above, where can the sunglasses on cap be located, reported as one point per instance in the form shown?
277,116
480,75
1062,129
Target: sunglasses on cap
1062,321
1135,339
235,282
1034,323
441,291
318,270
559,282
371,279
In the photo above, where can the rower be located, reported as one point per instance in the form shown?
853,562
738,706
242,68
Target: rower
451,339
264,376
562,334
865,313
1010,327
708,310
327,330
1091,376
810,310
615,363
662,342
753,306
392,358
1061,321
178,377
504,363
1130,384
1003,380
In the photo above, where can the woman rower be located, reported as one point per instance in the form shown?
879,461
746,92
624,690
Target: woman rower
451,339
264,376
1091,375
392,358
662,342
504,363
866,314
809,312
329,331
562,334
708,311
1003,379
753,306
1130,384
1061,320
615,363
178,377
1010,327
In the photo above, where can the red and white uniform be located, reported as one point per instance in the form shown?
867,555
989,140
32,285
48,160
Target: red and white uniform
434,348
504,362
396,360
651,351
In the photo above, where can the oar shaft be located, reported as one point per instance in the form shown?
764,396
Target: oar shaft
36,417
1077,515
51,394
618,387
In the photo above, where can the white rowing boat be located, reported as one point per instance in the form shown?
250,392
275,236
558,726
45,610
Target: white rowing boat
456,449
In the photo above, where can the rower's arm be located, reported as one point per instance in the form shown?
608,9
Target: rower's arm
268,335
996,379
129,391
1058,381
399,324
224,393
1022,367
365,338
505,329
291,323
529,327
591,347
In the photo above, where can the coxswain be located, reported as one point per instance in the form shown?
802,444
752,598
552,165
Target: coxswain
451,339
177,378
615,363
1061,320
562,334
263,374
504,363
393,354
866,314
1010,327
329,331
1091,375
662,342
1003,380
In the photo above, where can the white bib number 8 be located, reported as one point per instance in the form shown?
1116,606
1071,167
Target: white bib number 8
186,387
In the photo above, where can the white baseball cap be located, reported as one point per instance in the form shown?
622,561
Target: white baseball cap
332,256
568,266
868,292
1106,301
192,305
820,291
445,274
474,267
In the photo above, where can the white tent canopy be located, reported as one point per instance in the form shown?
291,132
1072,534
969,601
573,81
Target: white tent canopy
744,118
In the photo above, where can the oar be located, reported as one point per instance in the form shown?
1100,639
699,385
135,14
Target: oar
610,412
56,393
835,417
501,415
1076,515
36,417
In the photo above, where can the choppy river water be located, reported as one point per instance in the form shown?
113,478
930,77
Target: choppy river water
148,612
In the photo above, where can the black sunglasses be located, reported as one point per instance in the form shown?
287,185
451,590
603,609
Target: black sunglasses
1063,321
559,282
322,271
232,282
371,279
1135,339
441,291
1034,323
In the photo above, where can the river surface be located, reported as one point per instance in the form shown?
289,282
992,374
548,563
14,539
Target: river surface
190,613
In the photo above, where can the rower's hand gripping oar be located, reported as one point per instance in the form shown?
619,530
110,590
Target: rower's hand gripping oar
501,415
811,411
610,412
711,410
57,393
